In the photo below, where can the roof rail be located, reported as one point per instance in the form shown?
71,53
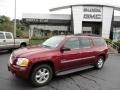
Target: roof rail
80,34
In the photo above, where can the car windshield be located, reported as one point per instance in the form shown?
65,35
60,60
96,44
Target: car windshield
53,42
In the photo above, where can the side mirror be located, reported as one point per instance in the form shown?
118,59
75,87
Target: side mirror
65,49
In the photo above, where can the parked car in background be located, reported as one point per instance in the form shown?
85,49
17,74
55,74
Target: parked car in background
8,42
58,55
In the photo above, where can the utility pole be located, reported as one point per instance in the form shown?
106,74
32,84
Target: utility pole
15,20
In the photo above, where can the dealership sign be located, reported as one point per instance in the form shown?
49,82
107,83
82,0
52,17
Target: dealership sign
91,13
33,20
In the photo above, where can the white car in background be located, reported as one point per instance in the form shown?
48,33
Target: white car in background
8,42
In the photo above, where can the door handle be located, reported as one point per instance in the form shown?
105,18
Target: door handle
4,40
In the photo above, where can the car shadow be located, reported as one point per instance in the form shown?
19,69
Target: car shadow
25,84
73,74
19,83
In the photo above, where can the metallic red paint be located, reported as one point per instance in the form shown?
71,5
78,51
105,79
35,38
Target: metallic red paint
60,61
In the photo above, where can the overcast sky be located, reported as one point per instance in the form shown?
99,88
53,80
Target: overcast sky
43,6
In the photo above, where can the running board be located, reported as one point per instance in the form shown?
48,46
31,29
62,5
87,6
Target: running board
74,70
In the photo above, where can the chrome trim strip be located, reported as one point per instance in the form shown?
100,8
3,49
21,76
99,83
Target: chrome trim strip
66,61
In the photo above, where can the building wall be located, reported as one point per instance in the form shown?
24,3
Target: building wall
106,22
77,18
64,23
92,14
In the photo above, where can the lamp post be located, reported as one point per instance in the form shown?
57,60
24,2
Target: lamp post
15,20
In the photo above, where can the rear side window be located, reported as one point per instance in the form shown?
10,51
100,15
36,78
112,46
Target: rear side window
85,43
2,36
99,42
8,36
72,43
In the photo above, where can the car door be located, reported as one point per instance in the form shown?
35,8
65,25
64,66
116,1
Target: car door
86,51
70,58
2,41
9,40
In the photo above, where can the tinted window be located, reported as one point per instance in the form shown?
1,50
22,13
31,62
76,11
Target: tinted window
85,43
99,41
8,35
2,36
72,43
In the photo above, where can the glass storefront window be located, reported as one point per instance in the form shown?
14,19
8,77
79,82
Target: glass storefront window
116,33
87,30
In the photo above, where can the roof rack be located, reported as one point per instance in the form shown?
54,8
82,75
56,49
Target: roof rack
80,34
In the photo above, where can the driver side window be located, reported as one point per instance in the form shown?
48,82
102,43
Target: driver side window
72,43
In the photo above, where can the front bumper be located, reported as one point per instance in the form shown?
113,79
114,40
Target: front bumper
22,72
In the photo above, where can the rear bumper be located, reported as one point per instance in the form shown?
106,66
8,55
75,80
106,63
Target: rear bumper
22,72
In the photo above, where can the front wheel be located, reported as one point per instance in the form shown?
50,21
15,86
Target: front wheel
41,75
100,63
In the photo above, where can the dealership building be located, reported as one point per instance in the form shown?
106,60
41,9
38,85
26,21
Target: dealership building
85,18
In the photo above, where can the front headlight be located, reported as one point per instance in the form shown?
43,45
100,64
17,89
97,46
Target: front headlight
23,62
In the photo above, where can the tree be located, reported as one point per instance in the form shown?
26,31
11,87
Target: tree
6,24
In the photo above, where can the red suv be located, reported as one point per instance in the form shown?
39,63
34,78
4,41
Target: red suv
58,55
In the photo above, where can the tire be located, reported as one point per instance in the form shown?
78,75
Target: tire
36,78
22,45
100,63
10,50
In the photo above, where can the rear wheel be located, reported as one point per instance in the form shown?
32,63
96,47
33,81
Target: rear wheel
10,50
41,75
22,45
100,63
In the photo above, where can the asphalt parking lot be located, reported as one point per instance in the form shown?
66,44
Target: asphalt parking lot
106,79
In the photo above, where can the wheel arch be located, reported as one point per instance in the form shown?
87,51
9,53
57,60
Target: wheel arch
23,43
48,62
103,55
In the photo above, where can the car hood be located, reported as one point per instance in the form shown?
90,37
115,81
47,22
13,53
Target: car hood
28,51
